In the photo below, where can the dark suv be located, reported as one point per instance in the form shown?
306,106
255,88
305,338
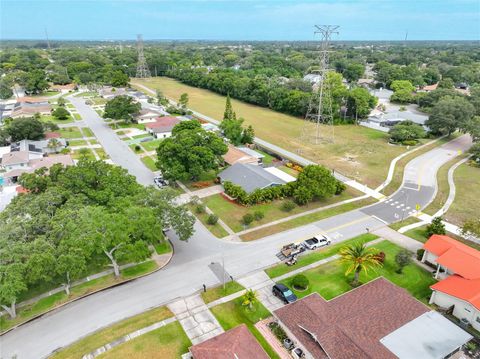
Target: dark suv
284,293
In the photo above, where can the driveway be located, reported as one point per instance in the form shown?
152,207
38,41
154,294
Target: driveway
118,150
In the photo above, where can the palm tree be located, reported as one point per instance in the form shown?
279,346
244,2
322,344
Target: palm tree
249,299
53,144
359,257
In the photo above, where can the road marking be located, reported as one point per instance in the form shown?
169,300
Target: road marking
348,224
379,219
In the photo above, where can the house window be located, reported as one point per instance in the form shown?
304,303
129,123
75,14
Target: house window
477,319
467,310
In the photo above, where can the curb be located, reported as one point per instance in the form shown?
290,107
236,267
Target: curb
91,293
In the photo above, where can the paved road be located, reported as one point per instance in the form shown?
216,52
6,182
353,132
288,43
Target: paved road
419,182
118,150
189,268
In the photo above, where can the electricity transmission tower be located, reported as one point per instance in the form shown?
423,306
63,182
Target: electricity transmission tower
142,68
318,124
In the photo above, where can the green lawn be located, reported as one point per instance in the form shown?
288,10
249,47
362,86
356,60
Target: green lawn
317,255
145,135
70,132
77,143
232,213
205,177
133,145
77,117
306,219
46,94
107,335
83,152
216,229
169,341
232,314
357,152
101,153
50,118
163,247
150,163
466,204
329,279
126,125
212,294
52,301
268,159
86,94
151,145
87,132
289,170
397,225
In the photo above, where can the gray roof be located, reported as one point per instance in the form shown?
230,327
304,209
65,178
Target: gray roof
250,177
251,152
429,336
400,116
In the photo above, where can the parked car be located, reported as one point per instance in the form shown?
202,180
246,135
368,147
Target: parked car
317,241
160,182
284,293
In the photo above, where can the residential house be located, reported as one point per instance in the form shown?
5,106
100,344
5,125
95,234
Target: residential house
108,92
251,177
162,127
18,160
236,343
428,88
314,79
236,155
46,146
147,115
24,108
377,320
64,88
458,265
392,118
253,153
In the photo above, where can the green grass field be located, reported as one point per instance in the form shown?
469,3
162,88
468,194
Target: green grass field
232,314
83,152
232,213
216,229
150,163
101,153
87,132
467,199
50,118
151,145
358,152
329,279
70,132
419,234
306,219
212,294
317,255
77,143
107,335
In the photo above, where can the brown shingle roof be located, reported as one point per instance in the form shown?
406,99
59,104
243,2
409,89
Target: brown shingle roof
236,343
234,155
351,325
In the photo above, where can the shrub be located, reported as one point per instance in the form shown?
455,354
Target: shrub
278,331
259,215
340,187
287,206
200,208
65,151
420,254
436,227
380,256
409,142
137,148
300,282
212,219
402,258
247,219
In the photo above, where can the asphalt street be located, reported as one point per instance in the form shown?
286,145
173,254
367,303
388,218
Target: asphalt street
189,268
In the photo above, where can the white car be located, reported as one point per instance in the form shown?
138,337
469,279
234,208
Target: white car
317,241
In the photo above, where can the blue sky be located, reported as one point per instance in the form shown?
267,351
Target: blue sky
240,20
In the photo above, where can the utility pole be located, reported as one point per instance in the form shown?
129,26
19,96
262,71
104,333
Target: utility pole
48,40
319,111
142,67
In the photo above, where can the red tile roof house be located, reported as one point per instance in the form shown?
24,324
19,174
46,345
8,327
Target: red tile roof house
375,320
459,265
162,127
236,343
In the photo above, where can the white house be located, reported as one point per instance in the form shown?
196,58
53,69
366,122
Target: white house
458,265
162,127
147,116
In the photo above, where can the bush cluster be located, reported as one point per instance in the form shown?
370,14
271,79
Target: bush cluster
300,282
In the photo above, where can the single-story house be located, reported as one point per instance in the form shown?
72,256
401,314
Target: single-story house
392,118
20,162
236,155
459,266
162,127
251,177
375,320
253,153
137,95
28,108
108,92
6,110
147,115
313,78
41,146
64,88
236,343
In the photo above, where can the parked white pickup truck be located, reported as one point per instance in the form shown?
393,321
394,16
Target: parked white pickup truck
317,241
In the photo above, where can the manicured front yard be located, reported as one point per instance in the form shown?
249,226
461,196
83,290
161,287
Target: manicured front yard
101,153
317,255
70,132
83,152
420,235
206,179
87,132
232,314
306,219
150,163
231,213
151,145
216,229
77,143
39,307
329,279
215,293
50,118
104,336
169,341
